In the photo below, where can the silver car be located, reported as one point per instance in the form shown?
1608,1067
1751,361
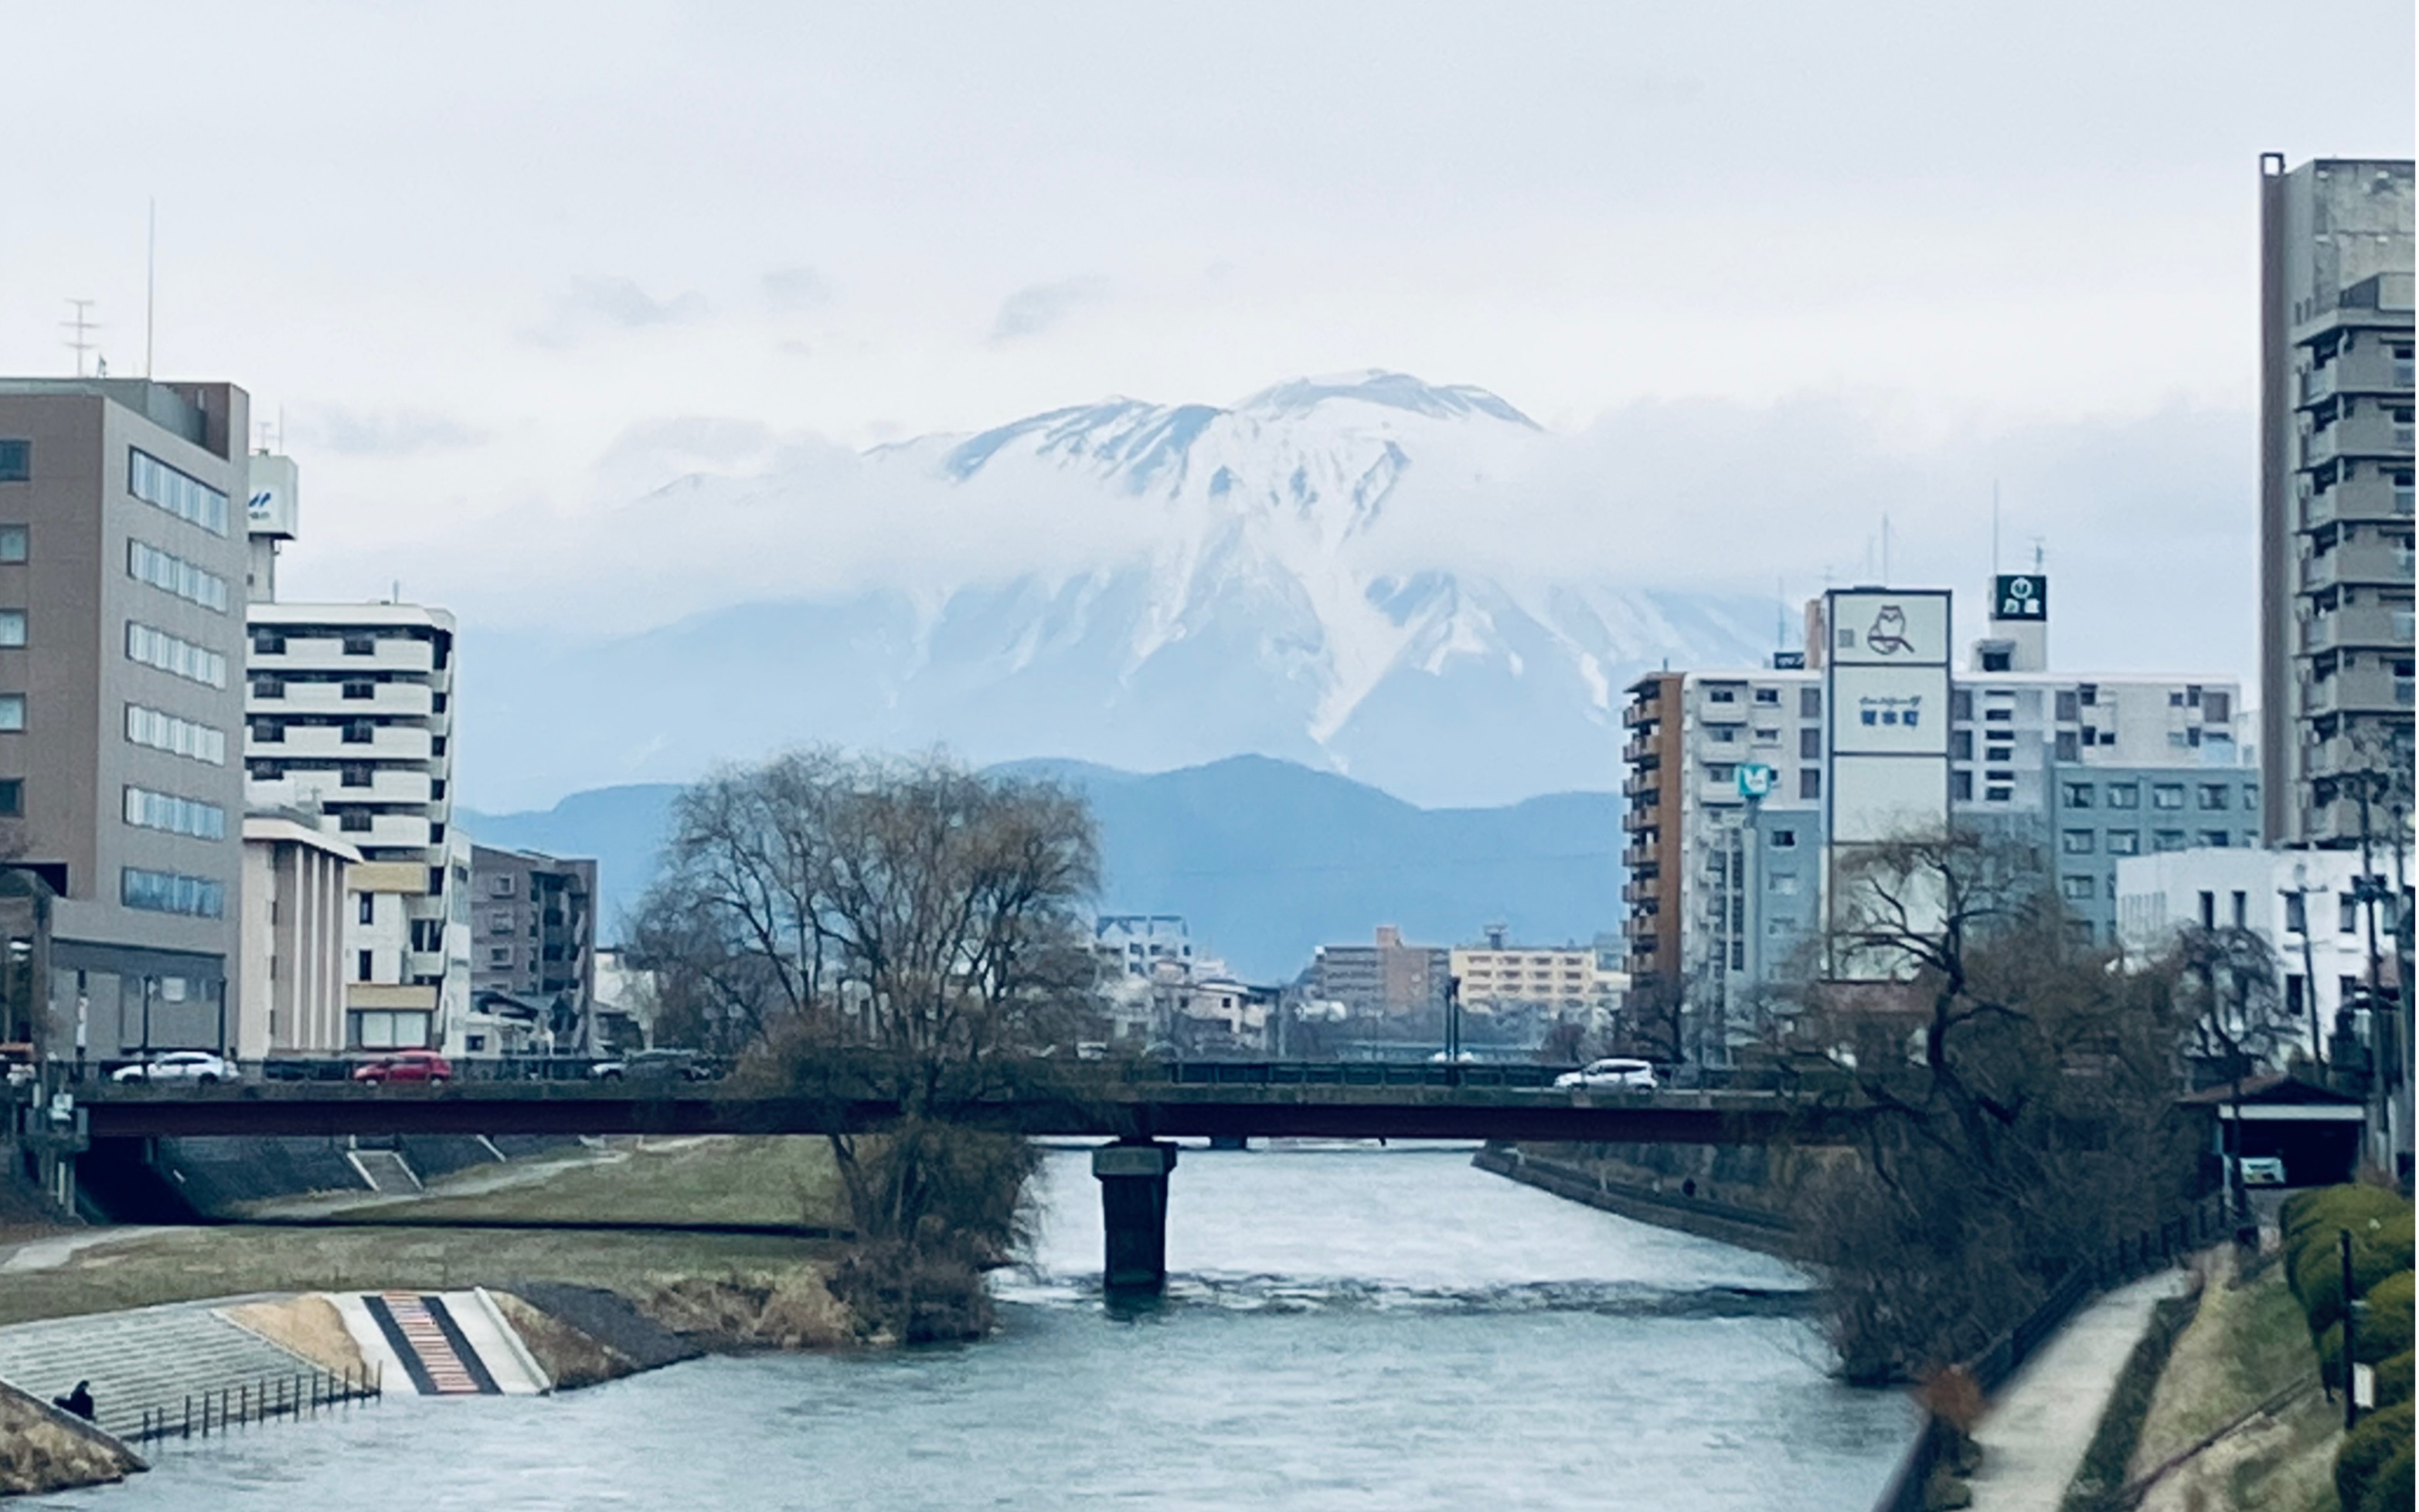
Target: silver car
198,1066
1614,1072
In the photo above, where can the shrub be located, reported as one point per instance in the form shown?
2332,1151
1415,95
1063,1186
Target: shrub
2391,1489
2317,1273
2393,1381
2365,1453
2341,1207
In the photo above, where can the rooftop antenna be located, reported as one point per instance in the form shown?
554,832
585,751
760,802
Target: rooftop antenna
2038,551
80,326
151,275
1781,614
1885,545
1995,528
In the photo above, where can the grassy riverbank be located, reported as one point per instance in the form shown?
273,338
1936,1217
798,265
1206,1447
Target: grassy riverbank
2248,1344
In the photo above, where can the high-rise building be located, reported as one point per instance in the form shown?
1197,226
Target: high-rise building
2336,489
350,720
122,560
532,952
1737,783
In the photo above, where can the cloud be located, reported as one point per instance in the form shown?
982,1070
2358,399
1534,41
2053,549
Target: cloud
384,433
653,452
795,288
1033,310
590,305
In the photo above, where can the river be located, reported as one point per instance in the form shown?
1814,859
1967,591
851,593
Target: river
1347,1328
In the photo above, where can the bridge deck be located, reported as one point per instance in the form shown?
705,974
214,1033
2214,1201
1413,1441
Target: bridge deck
1111,1108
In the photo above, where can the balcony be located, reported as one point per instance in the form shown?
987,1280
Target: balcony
2368,433
2359,689
2369,497
1642,926
2369,562
1641,888
386,654
314,785
2366,626
271,695
1642,818
1641,713
1641,748
1639,854
327,742
1640,783
2369,370
385,832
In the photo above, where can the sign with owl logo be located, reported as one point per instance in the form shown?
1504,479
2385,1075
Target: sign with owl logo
1871,627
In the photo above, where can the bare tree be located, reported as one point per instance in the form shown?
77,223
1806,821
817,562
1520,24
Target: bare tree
2014,1085
904,928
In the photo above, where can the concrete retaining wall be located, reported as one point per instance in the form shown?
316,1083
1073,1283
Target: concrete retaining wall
1703,1216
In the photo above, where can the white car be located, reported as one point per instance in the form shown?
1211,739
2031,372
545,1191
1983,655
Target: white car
198,1066
1617,1072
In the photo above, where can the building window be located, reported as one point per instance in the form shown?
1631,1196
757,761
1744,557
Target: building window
178,658
500,955
2215,839
2125,842
358,688
2347,914
1960,785
2166,840
267,642
147,809
366,909
1810,744
1961,746
1809,782
12,796
16,461
2216,708
12,712
2168,795
2070,707
1767,695
2069,747
2076,889
168,892
360,646
268,731
360,732
2076,842
13,543
13,627
2214,796
146,563
1723,734
363,962
268,687
1784,839
378,1030
190,499
1998,795
356,774
355,821
1809,703
2078,795
177,737
1721,695
1961,703
2124,795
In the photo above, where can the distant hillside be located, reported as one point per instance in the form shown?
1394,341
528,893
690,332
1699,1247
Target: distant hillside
1266,859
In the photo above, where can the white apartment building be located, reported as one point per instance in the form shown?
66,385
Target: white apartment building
297,904
348,718
1727,773
2301,902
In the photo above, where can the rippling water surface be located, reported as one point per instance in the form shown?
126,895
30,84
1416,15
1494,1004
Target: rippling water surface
1348,1328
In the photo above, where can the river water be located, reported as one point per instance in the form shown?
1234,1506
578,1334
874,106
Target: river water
1348,1328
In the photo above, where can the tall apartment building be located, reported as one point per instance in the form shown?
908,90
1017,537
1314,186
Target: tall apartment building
1733,776
1498,977
122,560
2335,488
350,719
532,952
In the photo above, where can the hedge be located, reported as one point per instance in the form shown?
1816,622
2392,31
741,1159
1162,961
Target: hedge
2367,1452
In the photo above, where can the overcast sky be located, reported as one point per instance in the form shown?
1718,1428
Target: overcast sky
501,268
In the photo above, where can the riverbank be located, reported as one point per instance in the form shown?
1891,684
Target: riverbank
1597,1184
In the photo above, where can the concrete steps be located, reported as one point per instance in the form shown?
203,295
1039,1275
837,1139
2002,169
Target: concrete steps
154,1357
386,1171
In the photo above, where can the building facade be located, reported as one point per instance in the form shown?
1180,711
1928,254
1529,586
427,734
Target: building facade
1733,776
533,953
1384,979
297,901
122,562
1132,944
2335,490
350,718
1497,976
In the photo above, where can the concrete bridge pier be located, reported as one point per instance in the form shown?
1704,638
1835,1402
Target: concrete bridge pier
1132,1174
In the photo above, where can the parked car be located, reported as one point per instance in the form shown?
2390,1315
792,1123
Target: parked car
1467,1058
666,1064
1616,1072
406,1065
198,1066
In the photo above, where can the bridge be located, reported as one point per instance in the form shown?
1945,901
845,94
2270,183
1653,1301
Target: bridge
1138,1109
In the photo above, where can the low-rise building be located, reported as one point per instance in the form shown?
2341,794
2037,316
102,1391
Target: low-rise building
297,909
533,920
1384,979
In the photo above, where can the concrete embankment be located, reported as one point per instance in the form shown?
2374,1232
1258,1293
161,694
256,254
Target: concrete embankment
1706,1218
43,1449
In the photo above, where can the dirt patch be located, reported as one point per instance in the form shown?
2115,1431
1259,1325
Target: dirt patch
308,1325
45,1450
789,1309
571,1359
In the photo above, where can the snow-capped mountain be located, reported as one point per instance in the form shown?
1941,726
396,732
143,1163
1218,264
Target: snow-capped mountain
1304,574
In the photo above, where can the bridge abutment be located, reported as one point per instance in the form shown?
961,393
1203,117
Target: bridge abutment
1132,1174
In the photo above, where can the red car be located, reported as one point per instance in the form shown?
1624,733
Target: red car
407,1065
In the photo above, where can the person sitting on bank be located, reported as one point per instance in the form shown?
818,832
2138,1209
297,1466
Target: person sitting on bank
78,1401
